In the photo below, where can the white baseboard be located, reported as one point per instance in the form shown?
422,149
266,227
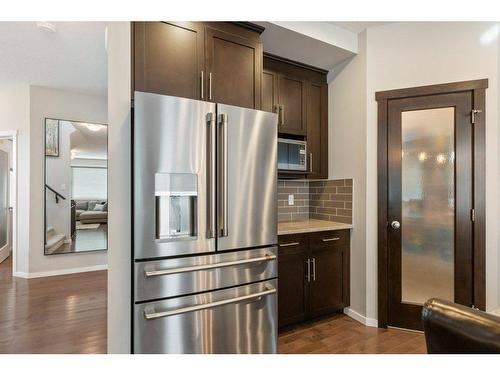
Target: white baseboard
67,271
370,322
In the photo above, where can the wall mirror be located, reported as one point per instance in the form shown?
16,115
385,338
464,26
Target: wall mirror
76,187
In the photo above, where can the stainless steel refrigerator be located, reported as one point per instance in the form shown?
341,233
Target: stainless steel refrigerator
204,227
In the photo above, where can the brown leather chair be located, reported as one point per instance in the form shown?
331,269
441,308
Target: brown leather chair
455,329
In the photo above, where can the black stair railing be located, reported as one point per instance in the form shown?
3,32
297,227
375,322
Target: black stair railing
57,195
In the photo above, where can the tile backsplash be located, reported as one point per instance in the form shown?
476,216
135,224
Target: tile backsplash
326,200
300,209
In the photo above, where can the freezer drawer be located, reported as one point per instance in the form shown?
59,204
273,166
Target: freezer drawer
236,320
174,277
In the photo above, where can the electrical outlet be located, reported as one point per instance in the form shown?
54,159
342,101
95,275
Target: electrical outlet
291,200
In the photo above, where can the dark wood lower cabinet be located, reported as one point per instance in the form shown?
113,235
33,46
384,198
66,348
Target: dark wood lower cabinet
292,296
313,275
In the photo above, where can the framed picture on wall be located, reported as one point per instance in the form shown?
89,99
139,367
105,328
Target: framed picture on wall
51,137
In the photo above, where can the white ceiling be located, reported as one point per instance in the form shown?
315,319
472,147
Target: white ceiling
73,58
88,144
358,27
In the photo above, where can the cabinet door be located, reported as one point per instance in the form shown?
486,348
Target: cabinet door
292,99
269,91
234,66
292,283
317,131
326,286
169,58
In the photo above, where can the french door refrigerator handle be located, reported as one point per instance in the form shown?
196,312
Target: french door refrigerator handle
223,178
184,310
210,176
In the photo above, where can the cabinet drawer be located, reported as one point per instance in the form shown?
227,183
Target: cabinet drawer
323,240
292,243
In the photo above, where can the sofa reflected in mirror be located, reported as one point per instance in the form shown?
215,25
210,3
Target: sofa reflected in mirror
76,202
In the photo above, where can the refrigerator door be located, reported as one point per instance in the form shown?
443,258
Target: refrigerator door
239,320
174,176
247,149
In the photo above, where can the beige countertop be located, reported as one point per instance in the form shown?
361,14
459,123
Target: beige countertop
311,225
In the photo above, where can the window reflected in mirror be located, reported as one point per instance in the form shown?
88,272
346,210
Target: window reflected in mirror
76,187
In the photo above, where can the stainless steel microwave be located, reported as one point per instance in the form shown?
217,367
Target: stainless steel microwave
292,155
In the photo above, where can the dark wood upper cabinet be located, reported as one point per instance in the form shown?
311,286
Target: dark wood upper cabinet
292,254
299,94
292,99
234,68
269,91
317,130
169,58
214,61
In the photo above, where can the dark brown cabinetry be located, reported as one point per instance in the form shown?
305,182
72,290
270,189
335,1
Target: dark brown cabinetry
313,275
214,61
299,94
292,304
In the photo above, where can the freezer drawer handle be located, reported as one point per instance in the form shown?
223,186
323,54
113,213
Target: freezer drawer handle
164,314
170,271
330,239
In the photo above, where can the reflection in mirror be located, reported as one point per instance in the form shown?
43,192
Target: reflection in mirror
76,195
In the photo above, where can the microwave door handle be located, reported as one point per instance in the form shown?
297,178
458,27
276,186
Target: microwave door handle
210,175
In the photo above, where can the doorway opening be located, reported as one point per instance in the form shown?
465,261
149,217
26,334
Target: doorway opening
8,195
431,199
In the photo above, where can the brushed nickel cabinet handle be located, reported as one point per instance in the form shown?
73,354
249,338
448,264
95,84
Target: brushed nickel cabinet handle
288,244
330,239
210,86
282,109
184,310
311,162
314,269
201,85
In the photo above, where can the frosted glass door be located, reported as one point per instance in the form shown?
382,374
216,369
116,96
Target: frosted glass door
428,204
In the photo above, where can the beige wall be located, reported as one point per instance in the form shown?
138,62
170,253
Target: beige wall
347,153
46,102
402,55
119,169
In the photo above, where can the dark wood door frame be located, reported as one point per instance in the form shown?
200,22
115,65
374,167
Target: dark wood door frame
478,90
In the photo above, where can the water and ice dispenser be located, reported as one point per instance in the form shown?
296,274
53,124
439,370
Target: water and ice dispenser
176,206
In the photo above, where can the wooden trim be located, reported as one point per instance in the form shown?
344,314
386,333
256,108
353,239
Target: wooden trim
445,88
296,63
479,200
382,214
250,26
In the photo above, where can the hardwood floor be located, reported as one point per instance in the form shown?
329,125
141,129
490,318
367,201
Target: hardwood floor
58,314
342,335
67,314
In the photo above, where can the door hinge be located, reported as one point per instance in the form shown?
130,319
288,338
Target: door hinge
473,114
472,215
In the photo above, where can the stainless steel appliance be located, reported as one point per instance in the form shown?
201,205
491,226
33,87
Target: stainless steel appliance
205,257
292,155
